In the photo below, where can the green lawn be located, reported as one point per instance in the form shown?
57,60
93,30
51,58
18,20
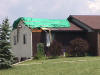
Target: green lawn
61,66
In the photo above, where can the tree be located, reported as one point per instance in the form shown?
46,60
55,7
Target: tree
5,40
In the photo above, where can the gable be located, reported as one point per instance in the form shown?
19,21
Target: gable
80,24
92,21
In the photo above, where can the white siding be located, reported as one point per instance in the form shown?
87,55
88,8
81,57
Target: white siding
21,49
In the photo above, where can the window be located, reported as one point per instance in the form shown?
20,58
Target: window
24,39
14,40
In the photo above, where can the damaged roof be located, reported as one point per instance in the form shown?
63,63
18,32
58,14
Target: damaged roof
42,23
73,23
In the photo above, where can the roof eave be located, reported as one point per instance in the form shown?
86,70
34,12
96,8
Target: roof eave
80,24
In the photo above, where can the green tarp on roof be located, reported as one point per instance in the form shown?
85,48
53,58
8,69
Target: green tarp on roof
42,23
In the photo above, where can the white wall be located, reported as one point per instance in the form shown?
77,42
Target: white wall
21,49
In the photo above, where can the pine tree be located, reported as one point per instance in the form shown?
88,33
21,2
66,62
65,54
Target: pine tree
5,40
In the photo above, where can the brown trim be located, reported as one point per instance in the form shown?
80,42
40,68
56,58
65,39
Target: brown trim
36,30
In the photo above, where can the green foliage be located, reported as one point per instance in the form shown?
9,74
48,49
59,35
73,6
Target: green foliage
77,47
4,63
5,47
55,49
40,51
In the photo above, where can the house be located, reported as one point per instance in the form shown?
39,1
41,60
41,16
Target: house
28,32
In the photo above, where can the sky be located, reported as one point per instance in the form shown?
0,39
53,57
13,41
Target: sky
50,9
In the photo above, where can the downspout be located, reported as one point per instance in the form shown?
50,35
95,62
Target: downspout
98,42
31,46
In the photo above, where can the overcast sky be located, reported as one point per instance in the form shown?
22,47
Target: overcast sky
50,9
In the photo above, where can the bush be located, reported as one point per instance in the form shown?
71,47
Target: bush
55,49
40,51
4,64
15,60
69,51
78,47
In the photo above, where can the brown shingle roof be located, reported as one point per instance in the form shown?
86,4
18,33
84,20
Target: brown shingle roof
92,21
72,28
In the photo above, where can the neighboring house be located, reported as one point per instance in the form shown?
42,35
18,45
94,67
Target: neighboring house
28,32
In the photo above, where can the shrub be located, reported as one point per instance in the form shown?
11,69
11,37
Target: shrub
78,47
55,49
69,51
15,60
40,51
4,64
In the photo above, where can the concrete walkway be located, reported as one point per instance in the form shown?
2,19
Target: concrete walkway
20,63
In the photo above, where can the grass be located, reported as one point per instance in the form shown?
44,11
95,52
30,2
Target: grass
60,66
